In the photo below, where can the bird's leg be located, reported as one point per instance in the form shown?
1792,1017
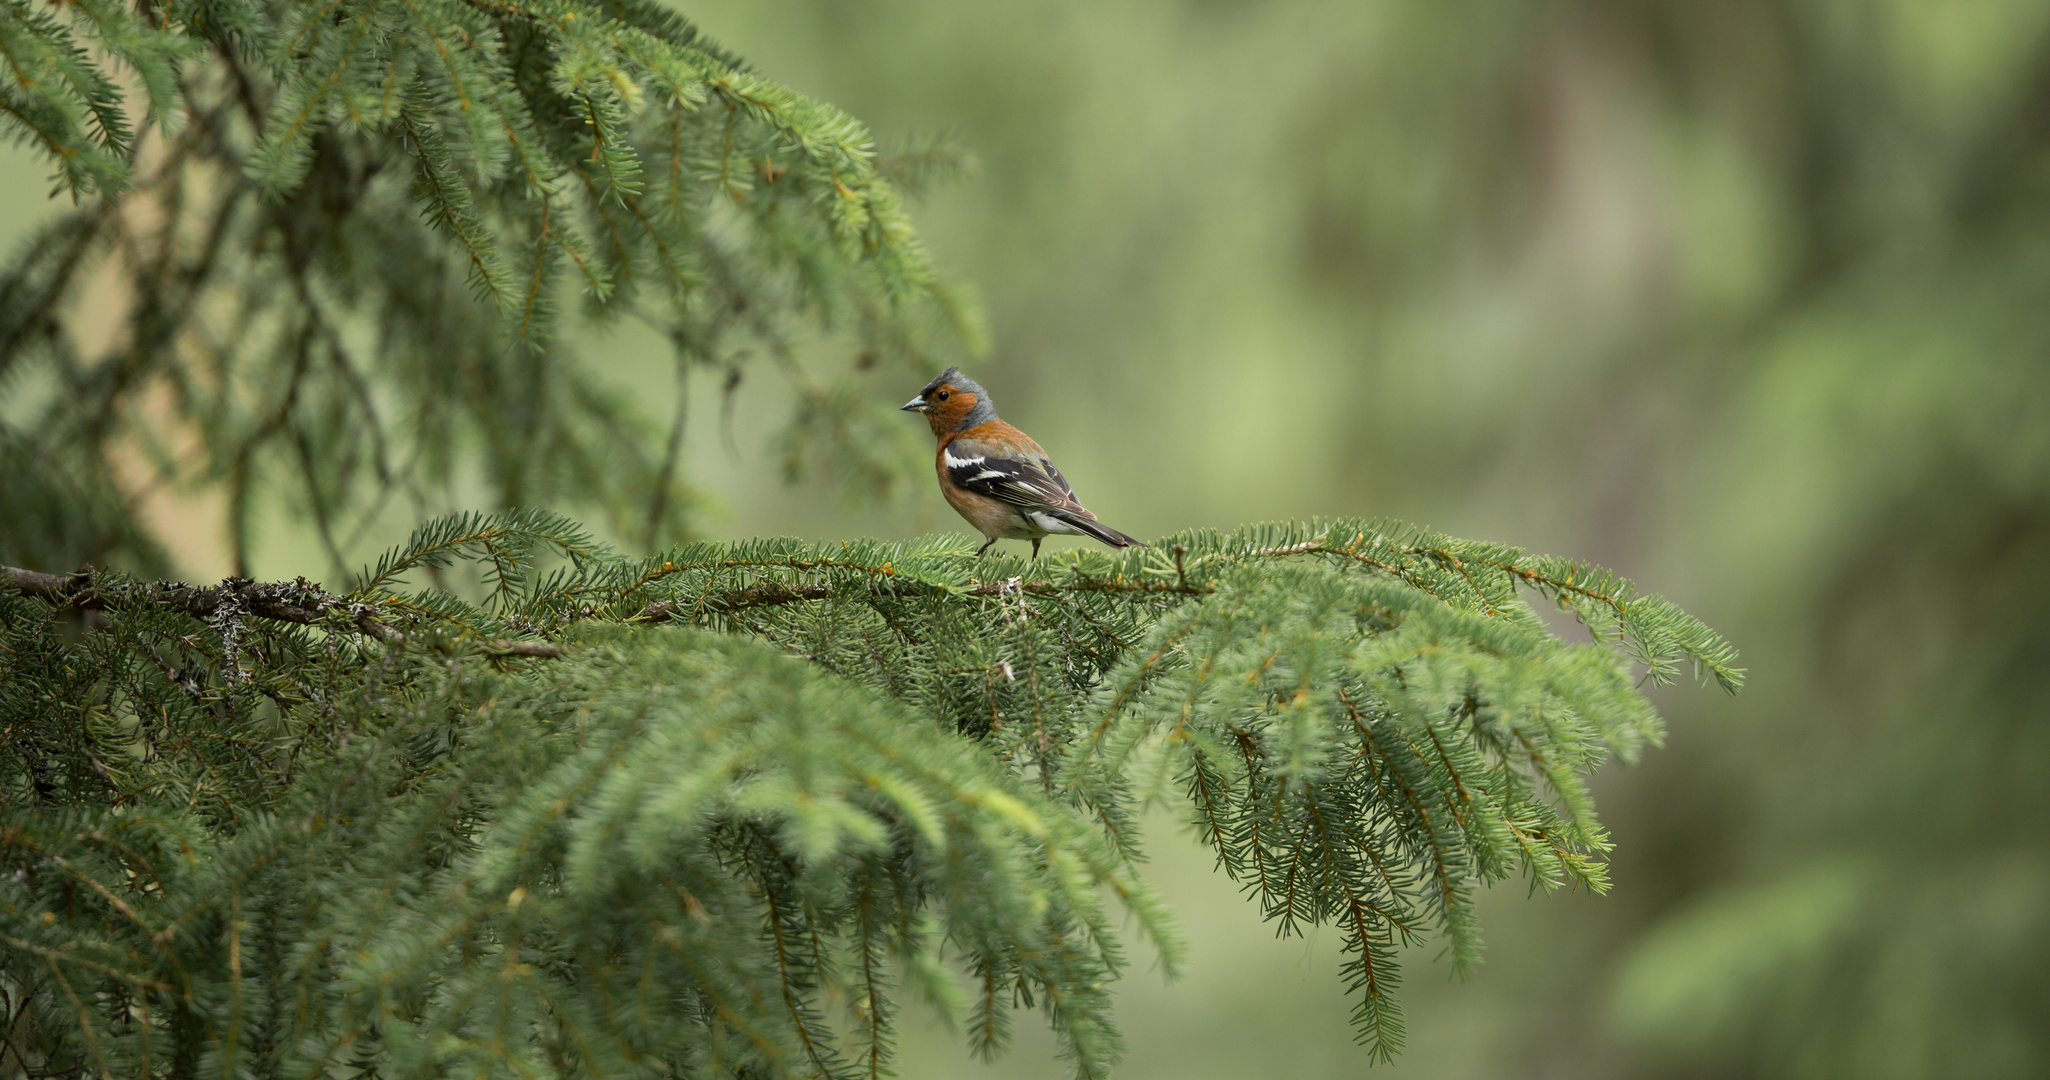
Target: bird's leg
1035,546
985,546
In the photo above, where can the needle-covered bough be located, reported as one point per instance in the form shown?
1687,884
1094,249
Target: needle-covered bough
718,812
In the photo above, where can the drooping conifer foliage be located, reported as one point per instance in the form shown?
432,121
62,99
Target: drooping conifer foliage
721,811
346,233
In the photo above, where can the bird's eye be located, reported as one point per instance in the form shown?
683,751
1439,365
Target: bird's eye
941,396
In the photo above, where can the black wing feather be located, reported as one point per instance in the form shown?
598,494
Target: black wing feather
1031,485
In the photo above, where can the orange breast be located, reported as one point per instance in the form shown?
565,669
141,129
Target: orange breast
989,516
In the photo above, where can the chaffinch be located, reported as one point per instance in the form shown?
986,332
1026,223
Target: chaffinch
995,475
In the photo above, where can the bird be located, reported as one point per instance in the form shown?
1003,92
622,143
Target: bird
994,475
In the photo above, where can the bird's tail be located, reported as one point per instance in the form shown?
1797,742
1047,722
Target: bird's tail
1099,531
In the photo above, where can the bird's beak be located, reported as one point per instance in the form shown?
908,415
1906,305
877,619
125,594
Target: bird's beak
916,404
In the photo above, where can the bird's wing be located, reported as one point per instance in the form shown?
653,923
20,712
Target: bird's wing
1027,482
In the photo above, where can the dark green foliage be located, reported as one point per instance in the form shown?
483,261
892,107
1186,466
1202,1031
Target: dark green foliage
350,231
718,811
653,859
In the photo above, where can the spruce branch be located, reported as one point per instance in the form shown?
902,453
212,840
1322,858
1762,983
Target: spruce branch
727,748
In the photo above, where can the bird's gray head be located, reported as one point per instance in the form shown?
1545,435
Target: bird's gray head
952,402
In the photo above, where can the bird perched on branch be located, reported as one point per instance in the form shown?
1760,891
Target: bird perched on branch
995,475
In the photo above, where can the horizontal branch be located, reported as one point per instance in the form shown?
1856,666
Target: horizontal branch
774,595
299,602
304,603
758,596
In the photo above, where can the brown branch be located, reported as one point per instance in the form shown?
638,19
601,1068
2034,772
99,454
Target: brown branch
304,603
539,649
774,595
737,599
299,602
294,602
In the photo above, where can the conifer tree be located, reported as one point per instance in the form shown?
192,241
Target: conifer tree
722,810
346,235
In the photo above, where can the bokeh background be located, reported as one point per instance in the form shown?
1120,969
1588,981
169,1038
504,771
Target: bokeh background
1747,299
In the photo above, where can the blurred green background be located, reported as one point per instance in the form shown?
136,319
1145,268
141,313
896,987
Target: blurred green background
1746,299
